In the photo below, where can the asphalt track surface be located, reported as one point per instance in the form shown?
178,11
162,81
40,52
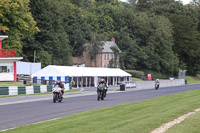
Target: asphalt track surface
25,113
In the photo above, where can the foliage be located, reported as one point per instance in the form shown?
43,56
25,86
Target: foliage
114,61
159,75
17,22
52,43
95,47
135,73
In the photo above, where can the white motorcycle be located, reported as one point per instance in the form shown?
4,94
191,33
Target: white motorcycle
156,85
57,94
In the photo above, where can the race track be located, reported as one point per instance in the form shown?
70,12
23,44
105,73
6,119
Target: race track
24,113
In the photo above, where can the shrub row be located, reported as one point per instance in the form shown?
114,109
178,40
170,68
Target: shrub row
135,73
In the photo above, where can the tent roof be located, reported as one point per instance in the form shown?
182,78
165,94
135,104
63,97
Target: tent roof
53,70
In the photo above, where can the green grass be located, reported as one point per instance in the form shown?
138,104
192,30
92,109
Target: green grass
189,125
3,96
193,80
14,84
11,84
138,117
136,79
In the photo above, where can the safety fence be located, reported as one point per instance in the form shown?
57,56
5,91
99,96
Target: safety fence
16,90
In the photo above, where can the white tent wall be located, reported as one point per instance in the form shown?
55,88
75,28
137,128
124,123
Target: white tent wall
27,68
35,67
63,78
54,78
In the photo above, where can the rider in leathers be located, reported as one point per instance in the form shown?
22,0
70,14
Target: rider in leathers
104,83
61,85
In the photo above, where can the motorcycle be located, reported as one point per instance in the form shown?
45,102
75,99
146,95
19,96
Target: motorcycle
57,94
156,85
101,92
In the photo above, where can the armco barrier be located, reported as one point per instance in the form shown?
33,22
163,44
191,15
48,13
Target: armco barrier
21,90
4,91
36,89
49,88
29,90
15,90
43,89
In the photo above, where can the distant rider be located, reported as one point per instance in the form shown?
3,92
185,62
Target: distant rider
157,83
102,81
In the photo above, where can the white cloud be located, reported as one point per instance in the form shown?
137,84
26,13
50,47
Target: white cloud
185,1
123,0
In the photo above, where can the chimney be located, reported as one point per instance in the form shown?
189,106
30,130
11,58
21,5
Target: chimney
113,39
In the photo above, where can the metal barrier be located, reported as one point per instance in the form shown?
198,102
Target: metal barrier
130,84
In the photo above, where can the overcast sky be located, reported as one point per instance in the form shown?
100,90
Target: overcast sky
184,1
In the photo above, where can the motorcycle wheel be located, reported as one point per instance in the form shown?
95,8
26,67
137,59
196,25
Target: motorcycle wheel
60,99
102,96
54,97
156,87
98,95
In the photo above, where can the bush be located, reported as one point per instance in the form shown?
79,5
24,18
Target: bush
135,73
156,75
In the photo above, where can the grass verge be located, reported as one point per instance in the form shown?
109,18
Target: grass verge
3,96
136,79
189,125
15,84
138,117
193,80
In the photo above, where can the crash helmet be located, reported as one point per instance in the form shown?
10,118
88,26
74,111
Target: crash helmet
102,80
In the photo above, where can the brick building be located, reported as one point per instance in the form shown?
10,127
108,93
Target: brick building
102,59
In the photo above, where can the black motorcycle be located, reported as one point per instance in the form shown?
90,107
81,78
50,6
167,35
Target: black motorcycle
101,92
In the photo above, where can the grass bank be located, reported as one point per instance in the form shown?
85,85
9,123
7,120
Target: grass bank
138,117
11,84
193,80
14,84
189,125
136,79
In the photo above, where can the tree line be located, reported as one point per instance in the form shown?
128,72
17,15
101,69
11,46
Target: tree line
158,35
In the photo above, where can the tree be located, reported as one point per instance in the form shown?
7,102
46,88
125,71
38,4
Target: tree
187,43
114,61
17,22
53,38
95,47
143,5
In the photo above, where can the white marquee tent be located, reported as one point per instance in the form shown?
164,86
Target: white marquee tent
70,71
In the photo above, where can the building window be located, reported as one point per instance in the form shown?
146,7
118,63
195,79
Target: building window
104,65
105,57
6,67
